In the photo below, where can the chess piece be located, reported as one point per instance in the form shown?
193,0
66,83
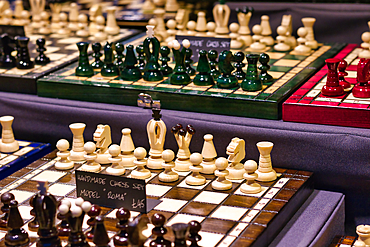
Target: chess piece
102,137
151,70
77,152
221,183
201,26
235,43
211,26
127,149
180,230
41,59
33,225
45,27
158,220
244,16
120,48
63,30
168,175
286,22
135,230
188,61
7,60
332,87
266,31
5,198
221,15
209,155
101,238
171,6
63,226
191,25
179,76
73,17
204,77
182,18
140,57
236,152
100,35
25,15
362,87
116,168
140,162
239,65
82,26
23,57
90,156
194,237
212,56
165,68
264,76
183,138
7,17
302,48
171,31
16,235
18,12
98,63
156,130
95,11
252,81
195,178
94,212
111,28
109,69
226,79
8,143
250,187
257,44
130,71
363,232
265,172
308,23
281,39
148,7
160,28
342,66
121,237
55,7
366,52
84,68
64,163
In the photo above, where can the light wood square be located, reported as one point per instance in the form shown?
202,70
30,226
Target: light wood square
2,234
210,197
3,70
21,195
239,228
229,213
72,40
185,218
31,174
61,189
276,55
250,215
51,49
261,204
157,190
23,143
8,159
30,233
287,62
227,241
209,239
271,193
276,74
281,182
49,176
271,89
313,93
170,205
352,74
23,151
56,56
25,212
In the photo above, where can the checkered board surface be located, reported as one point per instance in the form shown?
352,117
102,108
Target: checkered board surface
308,105
343,241
61,51
27,153
229,218
288,69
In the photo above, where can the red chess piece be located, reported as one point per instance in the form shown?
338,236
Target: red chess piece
362,88
342,73
332,87
93,213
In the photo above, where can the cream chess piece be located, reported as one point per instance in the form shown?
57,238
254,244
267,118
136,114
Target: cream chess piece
102,137
26,21
281,39
73,17
302,48
191,28
266,31
265,172
156,130
7,142
221,183
37,6
201,26
168,175
82,26
236,152
55,10
63,25
365,44
250,186
77,152
148,7
100,35
171,32
286,22
183,139
18,12
45,27
209,155
195,178
171,6
308,23
366,39
115,159
127,149
7,17
221,15
90,156
211,26
111,28
363,232
141,172
235,41
160,27
63,163
257,45
244,31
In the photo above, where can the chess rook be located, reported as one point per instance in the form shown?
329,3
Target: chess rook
7,143
265,171
77,152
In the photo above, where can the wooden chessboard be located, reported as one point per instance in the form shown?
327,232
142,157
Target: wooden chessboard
229,218
308,105
28,152
288,69
343,241
61,51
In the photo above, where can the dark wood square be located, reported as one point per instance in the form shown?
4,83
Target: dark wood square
241,201
155,180
264,218
29,186
69,178
218,226
279,170
348,241
294,184
252,231
284,195
290,171
275,206
51,155
21,172
37,163
110,224
5,181
304,173
199,208
72,194
242,242
182,193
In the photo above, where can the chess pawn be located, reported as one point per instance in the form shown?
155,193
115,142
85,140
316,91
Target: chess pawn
257,45
73,17
365,40
156,130
308,23
221,15
201,26
211,26
140,162
25,15
362,87
121,238
363,232
236,152
342,73
100,35
209,155
90,156
8,143
250,187
7,17
64,163
94,212
82,26
281,39
115,168
235,41
265,172
221,183
168,175
127,149
160,27
171,32
112,28
45,27
195,178
366,52
18,9
171,6
194,237
77,152
16,235
266,31
63,29
148,7
302,48
191,25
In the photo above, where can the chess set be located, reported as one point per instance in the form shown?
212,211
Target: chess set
308,105
343,241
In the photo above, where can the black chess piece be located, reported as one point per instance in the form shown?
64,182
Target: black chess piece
265,77
212,56
165,52
33,225
121,238
158,220
135,230
23,59
239,65
194,237
180,231
140,57
101,238
119,47
16,235
109,69
98,63
63,227
94,211
7,60
130,72
188,61
6,198
41,59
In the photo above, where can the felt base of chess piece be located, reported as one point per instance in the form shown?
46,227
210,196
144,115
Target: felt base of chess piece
227,81
182,165
361,90
130,74
332,91
266,176
203,80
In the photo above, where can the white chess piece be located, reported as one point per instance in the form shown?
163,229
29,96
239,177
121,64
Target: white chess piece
209,155
244,31
211,26
302,48
168,175
77,152
201,26
235,41
266,31
366,39
127,149
250,186
182,162
103,138
7,18
221,15
171,32
236,152
111,28
195,178
191,25
365,42
148,7
18,12
221,183
257,45
63,29
265,172
156,130
308,23
100,35
363,232
281,39
45,27
171,6
73,17
7,142
286,21
141,172
90,156
63,163
82,26
115,159
160,27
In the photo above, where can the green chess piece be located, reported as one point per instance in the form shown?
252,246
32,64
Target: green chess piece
203,78
212,56
226,79
265,77
84,68
151,49
188,61
239,73
109,69
119,55
130,72
252,81
179,76
165,52
98,63
140,57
